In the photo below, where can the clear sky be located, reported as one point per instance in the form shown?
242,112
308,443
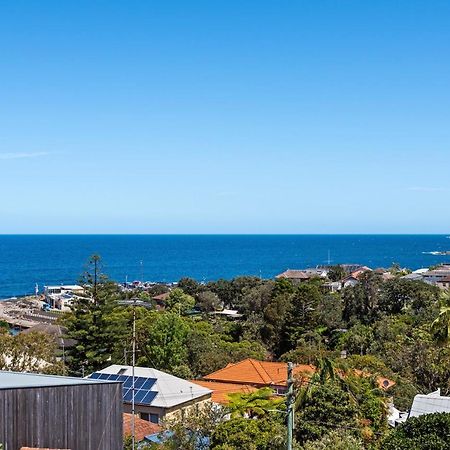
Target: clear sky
224,116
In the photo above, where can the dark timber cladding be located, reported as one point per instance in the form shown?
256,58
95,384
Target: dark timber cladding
84,416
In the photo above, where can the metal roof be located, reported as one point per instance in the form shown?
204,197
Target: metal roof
14,380
170,390
429,404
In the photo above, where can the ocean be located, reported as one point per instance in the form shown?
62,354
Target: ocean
55,259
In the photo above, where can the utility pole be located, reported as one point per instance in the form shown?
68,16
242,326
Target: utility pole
133,412
290,407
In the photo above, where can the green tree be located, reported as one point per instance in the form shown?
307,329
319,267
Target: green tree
179,302
336,273
88,321
427,432
254,404
325,405
164,344
441,325
190,286
303,313
31,352
248,434
208,301
336,440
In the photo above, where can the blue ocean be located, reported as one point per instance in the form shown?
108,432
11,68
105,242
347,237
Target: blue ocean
54,259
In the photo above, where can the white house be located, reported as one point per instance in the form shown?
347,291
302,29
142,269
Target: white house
157,395
61,297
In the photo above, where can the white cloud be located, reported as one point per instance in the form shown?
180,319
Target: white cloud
22,155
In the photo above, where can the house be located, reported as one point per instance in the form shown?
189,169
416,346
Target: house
59,412
61,297
444,283
353,278
157,395
250,374
298,276
259,374
160,300
437,276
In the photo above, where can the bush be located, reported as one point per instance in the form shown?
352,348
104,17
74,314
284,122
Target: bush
427,432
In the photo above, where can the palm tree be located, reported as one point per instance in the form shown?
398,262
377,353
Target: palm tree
441,325
255,404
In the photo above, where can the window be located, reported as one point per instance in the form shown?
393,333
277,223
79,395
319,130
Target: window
145,416
154,418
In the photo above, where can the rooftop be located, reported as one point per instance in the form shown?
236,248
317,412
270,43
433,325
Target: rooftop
142,427
220,390
17,380
252,371
429,404
169,390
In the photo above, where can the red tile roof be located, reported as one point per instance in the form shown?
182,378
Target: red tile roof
142,427
221,390
257,373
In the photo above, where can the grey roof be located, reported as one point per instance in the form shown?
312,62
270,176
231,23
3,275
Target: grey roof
429,404
172,391
13,380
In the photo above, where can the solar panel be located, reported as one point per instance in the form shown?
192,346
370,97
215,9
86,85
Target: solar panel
149,397
149,382
142,393
103,376
138,382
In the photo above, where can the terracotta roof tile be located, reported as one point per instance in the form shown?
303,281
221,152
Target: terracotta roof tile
259,373
142,427
221,390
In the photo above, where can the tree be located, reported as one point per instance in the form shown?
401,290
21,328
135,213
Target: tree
208,301
398,294
179,302
164,344
190,286
336,440
192,430
427,432
254,404
31,352
361,302
336,273
441,325
325,406
88,322
248,434
303,312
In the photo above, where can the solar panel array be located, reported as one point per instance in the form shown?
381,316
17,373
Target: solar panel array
142,393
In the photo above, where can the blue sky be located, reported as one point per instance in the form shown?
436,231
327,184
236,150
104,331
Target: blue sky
224,117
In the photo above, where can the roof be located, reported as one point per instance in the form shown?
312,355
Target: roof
14,380
429,404
170,390
161,297
53,330
66,287
254,372
142,427
220,390
295,274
